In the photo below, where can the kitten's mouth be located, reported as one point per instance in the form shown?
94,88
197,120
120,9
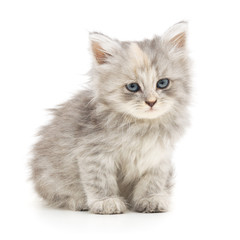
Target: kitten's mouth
151,110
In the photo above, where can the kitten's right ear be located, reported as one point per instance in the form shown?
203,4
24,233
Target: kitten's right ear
103,47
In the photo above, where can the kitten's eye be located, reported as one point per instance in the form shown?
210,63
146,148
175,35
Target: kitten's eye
133,87
163,83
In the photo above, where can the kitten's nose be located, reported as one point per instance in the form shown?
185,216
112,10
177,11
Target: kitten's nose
150,103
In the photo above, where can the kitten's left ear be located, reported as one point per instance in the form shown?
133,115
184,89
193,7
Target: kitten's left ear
175,37
103,47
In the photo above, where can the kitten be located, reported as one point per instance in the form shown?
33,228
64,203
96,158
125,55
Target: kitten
110,146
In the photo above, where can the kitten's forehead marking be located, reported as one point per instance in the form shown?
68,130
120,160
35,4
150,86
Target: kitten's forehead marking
138,57
142,68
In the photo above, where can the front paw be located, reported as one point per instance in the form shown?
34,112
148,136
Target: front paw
112,205
154,204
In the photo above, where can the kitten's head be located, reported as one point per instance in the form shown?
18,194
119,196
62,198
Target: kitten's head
142,79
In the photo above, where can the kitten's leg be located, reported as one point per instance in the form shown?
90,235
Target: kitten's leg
100,185
67,202
61,194
151,194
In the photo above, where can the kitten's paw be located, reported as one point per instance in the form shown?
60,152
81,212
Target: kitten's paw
76,204
154,204
108,206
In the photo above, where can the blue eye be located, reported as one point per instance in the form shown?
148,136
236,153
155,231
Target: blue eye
163,83
133,87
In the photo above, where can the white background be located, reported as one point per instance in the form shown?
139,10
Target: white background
43,61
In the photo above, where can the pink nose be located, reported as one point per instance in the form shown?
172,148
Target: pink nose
150,103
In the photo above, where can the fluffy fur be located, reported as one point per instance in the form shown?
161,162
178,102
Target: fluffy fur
106,149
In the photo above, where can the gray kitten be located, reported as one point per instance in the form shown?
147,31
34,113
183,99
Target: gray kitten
110,147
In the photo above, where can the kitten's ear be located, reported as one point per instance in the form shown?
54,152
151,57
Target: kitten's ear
175,37
103,47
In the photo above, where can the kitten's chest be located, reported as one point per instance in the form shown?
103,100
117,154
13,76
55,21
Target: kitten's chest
140,153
